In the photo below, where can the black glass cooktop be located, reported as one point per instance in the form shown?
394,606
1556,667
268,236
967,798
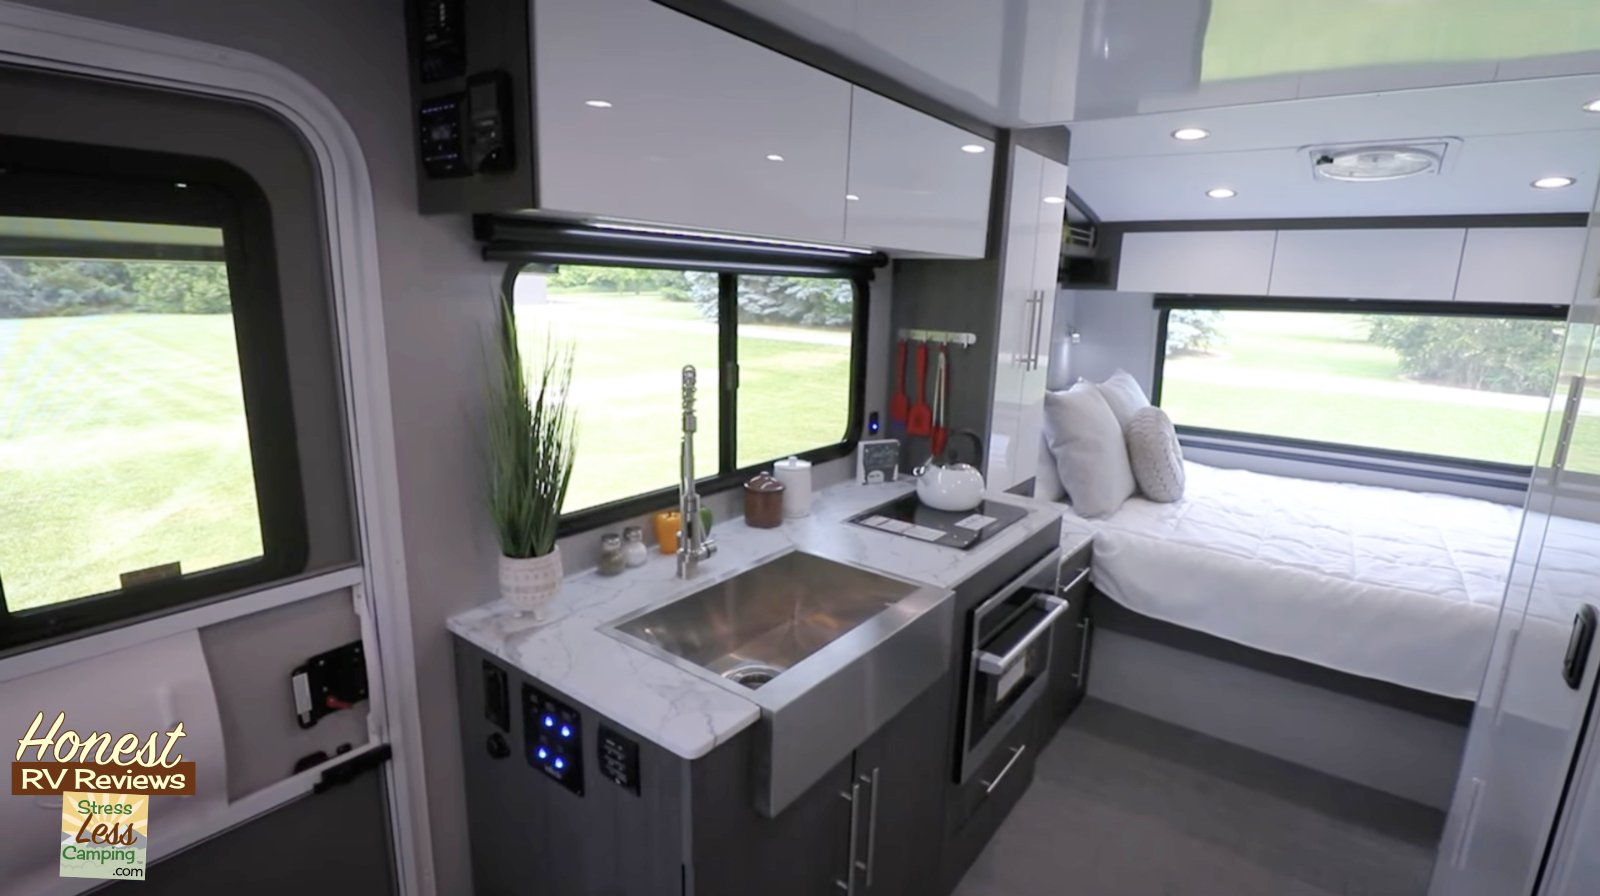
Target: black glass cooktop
911,518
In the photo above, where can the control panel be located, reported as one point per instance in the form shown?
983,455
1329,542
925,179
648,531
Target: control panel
553,738
619,759
443,137
443,51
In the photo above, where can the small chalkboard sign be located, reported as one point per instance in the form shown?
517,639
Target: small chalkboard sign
877,461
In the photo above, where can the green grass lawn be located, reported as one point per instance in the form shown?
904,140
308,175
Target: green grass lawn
794,390
1251,38
1314,376
122,446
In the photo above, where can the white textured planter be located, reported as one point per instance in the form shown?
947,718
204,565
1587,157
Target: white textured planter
529,583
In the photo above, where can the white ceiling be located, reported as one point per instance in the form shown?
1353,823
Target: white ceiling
1509,132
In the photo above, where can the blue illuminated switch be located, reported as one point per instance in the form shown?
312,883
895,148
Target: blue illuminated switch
554,739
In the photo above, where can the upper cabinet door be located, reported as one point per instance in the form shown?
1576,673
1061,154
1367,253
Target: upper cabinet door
1052,205
1536,265
1368,264
647,114
1202,262
912,184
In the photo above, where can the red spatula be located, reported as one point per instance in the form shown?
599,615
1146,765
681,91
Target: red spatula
898,401
919,419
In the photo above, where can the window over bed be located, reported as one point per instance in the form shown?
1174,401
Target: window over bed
1463,382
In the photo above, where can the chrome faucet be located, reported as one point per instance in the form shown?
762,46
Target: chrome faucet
694,545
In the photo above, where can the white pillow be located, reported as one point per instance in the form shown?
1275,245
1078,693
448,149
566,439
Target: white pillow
1047,483
1155,455
1090,453
1122,392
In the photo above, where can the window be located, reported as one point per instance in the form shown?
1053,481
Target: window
791,338
146,453
1471,384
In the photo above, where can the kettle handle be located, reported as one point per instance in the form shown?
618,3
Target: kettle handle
977,445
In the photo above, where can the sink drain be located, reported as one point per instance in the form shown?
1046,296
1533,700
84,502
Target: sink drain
753,675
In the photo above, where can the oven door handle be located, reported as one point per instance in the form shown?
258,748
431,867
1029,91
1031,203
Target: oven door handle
989,664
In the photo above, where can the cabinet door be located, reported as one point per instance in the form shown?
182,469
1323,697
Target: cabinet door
912,186
703,129
1202,262
1035,375
1008,461
1537,265
902,771
1368,264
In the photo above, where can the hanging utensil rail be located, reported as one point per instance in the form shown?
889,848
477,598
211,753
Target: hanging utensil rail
940,337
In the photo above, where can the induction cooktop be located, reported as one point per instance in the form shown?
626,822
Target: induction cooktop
910,518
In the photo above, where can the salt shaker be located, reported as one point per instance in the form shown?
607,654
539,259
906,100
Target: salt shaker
795,474
633,550
611,561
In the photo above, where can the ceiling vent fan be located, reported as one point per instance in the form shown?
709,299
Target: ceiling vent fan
1375,163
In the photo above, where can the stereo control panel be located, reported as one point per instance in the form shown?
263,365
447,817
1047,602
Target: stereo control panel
553,738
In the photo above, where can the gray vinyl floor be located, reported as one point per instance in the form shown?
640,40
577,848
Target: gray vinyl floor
1126,805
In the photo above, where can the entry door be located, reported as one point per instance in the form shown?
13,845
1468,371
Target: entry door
1528,728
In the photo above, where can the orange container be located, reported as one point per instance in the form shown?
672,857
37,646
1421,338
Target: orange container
666,525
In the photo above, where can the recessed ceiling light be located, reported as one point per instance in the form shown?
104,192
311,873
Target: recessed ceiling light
1190,134
1221,193
972,148
1592,105
1555,182
852,197
774,157
597,104
1054,200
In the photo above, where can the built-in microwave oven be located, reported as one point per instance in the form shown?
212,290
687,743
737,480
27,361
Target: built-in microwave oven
1008,663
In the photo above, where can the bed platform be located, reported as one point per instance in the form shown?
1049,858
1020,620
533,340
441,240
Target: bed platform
1342,627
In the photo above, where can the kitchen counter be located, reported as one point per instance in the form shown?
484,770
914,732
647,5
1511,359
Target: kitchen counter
682,712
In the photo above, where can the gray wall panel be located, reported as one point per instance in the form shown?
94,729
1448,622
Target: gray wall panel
250,660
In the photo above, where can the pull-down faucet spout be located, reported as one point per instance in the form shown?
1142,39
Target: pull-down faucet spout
694,545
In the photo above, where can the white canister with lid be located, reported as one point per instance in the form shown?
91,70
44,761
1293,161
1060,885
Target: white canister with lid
795,474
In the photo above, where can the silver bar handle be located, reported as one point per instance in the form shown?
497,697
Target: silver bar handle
1083,651
1038,329
1021,357
872,826
848,885
989,664
1016,753
1076,580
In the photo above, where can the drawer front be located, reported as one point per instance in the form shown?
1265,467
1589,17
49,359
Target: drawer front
1003,776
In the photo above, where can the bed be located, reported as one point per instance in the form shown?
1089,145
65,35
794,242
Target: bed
1398,586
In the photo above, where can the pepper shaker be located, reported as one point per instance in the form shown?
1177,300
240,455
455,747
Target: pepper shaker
611,560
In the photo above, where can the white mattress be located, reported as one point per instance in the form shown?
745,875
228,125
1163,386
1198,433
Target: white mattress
1395,585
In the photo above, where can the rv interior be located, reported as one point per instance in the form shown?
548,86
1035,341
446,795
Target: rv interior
801,447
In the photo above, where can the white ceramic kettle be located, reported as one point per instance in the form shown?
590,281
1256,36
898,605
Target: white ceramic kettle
947,484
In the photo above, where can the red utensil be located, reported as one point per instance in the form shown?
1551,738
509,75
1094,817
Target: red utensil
941,401
898,401
919,419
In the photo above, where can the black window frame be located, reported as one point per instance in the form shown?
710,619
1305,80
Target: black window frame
1413,463
545,246
53,179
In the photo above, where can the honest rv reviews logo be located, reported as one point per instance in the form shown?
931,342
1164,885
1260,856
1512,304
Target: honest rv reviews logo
64,760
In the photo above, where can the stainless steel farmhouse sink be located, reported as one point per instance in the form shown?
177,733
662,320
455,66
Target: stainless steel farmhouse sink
827,650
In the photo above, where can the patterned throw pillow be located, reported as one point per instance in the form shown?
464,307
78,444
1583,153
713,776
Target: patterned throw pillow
1155,455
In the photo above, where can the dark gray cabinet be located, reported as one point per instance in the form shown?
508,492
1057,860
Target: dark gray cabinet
1069,649
902,771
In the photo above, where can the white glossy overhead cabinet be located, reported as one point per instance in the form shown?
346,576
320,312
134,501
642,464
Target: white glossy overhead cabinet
1535,265
644,113
916,183
1202,262
1416,264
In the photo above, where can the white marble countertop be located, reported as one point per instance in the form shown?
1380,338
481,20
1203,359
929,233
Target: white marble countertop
670,706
